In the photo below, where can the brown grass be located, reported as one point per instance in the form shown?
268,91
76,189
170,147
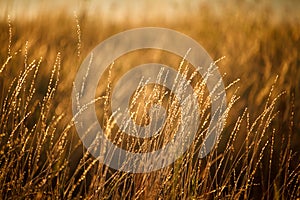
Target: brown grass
257,155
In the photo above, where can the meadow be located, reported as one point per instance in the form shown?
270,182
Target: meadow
256,157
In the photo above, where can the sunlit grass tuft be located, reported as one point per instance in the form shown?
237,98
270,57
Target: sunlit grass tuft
257,155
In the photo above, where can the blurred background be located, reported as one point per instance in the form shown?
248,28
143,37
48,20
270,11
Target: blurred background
138,10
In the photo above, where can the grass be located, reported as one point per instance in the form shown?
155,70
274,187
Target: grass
257,155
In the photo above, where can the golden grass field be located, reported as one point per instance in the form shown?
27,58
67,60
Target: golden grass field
256,157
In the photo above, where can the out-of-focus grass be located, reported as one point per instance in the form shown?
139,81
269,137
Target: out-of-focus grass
258,153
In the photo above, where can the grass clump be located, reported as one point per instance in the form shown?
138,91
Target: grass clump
257,155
